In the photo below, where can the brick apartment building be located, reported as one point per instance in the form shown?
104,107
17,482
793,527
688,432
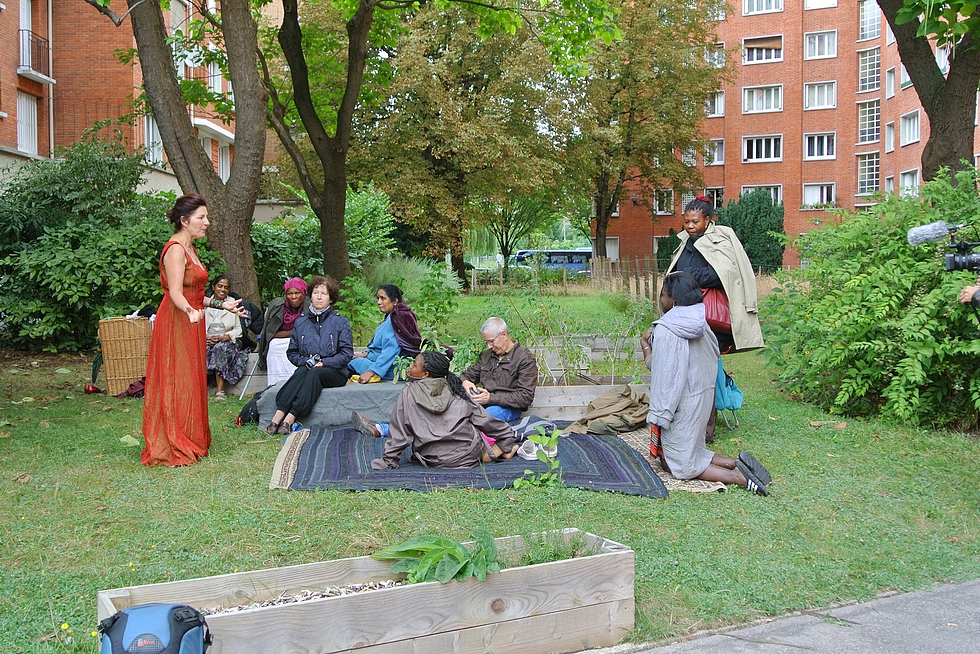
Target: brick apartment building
59,75
821,114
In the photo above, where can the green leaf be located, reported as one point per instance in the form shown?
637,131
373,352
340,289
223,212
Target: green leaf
62,371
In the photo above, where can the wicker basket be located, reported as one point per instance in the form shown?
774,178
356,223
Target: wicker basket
125,347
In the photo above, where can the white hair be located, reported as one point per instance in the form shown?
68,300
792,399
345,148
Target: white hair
493,325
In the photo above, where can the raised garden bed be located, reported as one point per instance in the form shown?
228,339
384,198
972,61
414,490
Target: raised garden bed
561,606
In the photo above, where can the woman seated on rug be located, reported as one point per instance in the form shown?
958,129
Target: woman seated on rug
436,417
280,316
683,361
320,347
225,356
397,335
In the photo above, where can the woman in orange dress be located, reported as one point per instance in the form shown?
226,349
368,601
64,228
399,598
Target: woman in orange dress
175,411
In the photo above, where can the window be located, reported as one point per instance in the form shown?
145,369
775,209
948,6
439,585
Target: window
178,28
910,128
716,153
869,22
869,114
224,162
776,191
689,157
687,198
867,173
761,6
716,55
716,195
889,34
717,11
716,105
942,59
762,148
214,77
904,80
762,50
762,98
869,69
889,137
822,95
890,82
818,196
206,144
154,146
908,182
26,123
663,201
819,146
890,184
819,4
820,45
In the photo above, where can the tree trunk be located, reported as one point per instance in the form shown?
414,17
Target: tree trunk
949,102
230,207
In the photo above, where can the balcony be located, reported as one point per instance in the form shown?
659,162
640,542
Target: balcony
34,60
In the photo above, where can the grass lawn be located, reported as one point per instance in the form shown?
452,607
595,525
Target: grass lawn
857,508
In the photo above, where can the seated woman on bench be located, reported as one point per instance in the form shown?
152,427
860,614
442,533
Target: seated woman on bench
398,334
436,417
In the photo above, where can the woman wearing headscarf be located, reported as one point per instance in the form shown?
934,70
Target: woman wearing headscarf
397,335
280,316
716,258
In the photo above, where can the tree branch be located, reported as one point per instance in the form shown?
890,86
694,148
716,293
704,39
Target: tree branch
117,20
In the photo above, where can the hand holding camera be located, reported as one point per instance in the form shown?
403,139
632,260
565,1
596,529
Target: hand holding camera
474,390
312,361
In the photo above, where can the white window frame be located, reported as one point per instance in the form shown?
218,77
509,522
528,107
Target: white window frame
910,125
869,20
904,187
769,95
811,45
770,143
827,196
889,184
663,201
870,132
717,196
776,190
180,55
904,81
716,154
890,83
819,4
152,141
715,55
761,55
715,105
686,198
889,137
689,156
942,59
815,86
224,161
829,140
215,77
869,185
750,7
889,34
869,69
27,128
206,144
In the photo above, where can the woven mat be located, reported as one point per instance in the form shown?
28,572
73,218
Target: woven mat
639,440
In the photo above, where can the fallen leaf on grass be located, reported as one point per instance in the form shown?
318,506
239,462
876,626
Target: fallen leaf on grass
5,423
129,440
125,410
4,434
13,371
834,456
44,423
100,456
62,371
107,408
771,418
22,477
823,423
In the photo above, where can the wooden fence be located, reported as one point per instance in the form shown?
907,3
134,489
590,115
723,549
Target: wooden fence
637,276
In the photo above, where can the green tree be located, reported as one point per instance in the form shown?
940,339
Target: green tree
758,223
566,29
642,104
512,222
876,329
948,97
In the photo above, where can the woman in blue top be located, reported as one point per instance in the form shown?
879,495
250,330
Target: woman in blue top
398,334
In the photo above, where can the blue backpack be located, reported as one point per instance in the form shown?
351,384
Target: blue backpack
727,395
155,629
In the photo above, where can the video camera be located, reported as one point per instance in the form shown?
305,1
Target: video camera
964,259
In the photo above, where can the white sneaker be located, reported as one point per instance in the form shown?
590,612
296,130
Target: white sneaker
528,451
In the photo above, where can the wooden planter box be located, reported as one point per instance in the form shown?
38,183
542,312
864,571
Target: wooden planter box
562,606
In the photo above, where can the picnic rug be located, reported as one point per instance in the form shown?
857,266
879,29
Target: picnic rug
340,459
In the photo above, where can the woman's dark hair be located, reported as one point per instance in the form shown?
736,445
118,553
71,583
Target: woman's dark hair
702,204
183,208
683,289
393,292
437,365
333,287
214,282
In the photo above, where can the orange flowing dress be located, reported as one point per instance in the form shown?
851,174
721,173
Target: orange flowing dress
175,408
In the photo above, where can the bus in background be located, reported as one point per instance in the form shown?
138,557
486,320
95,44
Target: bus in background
576,261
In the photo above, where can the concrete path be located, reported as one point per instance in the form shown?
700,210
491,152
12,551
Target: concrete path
942,620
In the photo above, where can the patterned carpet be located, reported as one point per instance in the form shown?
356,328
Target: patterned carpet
639,440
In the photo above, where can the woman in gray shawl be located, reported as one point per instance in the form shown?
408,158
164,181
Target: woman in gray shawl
682,355
439,421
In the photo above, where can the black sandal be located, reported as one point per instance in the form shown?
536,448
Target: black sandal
285,428
757,468
752,483
272,429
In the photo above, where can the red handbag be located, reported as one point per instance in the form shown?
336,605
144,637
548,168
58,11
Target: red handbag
716,311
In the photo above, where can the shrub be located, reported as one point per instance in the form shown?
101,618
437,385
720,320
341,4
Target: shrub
665,249
869,325
758,223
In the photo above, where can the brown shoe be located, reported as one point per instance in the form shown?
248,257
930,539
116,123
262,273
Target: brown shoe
363,425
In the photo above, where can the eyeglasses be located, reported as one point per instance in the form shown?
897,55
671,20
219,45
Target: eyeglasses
489,341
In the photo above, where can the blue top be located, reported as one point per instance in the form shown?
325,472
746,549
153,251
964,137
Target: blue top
381,352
